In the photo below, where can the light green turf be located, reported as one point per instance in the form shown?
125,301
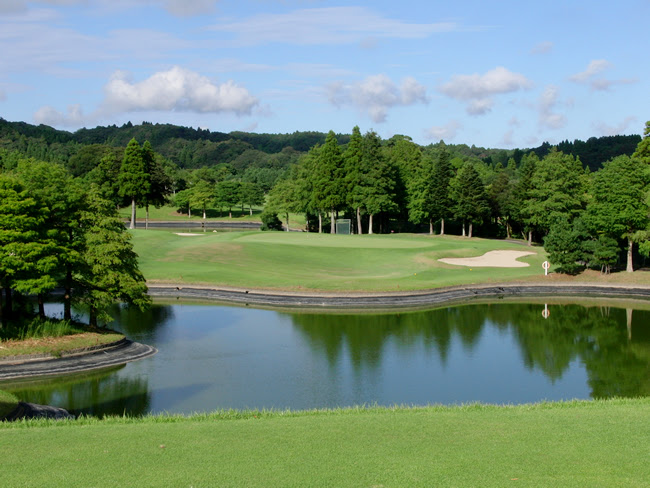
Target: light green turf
8,404
574,444
309,261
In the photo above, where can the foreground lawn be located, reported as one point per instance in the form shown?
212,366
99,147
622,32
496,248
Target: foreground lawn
600,443
307,261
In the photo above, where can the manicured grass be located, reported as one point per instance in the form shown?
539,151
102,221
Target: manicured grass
309,261
8,403
599,443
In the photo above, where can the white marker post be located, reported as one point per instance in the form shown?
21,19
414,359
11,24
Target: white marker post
546,312
546,265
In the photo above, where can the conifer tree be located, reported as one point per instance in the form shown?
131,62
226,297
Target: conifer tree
133,178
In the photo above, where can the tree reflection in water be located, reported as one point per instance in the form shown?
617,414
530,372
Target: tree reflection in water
613,345
99,393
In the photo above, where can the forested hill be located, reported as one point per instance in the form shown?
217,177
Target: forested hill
195,148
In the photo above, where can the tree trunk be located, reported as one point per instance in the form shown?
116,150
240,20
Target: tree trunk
470,230
359,227
287,215
430,226
204,212
41,307
132,226
333,224
250,211
320,223
508,230
530,237
92,317
230,213
67,297
146,217
463,225
370,224
442,227
630,251
189,212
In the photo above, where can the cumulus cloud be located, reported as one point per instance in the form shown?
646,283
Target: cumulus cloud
177,89
478,90
179,8
48,115
329,25
19,6
376,95
447,131
612,130
591,76
548,116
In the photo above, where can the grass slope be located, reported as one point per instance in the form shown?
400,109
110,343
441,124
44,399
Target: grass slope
600,443
8,403
305,261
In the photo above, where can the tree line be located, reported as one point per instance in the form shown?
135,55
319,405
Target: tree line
583,218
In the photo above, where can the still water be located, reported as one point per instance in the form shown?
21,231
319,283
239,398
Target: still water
212,357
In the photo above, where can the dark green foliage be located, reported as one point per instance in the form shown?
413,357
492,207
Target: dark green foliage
468,194
602,252
565,245
270,221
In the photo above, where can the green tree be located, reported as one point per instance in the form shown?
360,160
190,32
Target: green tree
378,192
134,179
251,194
328,178
159,181
468,194
619,208
27,260
565,244
557,189
354,178
228,194
441,202
110,271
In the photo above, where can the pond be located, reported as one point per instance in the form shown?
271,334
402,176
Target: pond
213,357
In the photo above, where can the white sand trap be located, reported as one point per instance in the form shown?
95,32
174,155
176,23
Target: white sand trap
187,234
491,259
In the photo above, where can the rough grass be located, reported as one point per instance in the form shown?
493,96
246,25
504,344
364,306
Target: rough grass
56,346
170,212
8,403
598,443
307,261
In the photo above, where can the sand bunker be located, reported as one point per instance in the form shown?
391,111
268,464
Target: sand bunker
491,259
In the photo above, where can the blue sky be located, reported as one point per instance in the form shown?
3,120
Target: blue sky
495,74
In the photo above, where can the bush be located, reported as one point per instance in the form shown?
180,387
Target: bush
270,221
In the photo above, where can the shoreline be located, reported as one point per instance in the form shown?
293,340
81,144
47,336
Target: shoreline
401,299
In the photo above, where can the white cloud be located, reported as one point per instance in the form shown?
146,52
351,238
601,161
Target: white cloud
19,6
3,95
596,66
507,139
542,48
599,83
330,25
447,131
377,94
179,8
177,89
478,90
548,101
50,116
480,107
608,130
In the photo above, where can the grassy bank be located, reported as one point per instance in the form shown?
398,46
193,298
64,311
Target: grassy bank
600,443
8,403
170,212
305,261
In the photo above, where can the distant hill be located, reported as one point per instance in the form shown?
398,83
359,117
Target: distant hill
193,148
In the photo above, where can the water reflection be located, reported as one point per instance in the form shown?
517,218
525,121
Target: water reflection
227,357
97,393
